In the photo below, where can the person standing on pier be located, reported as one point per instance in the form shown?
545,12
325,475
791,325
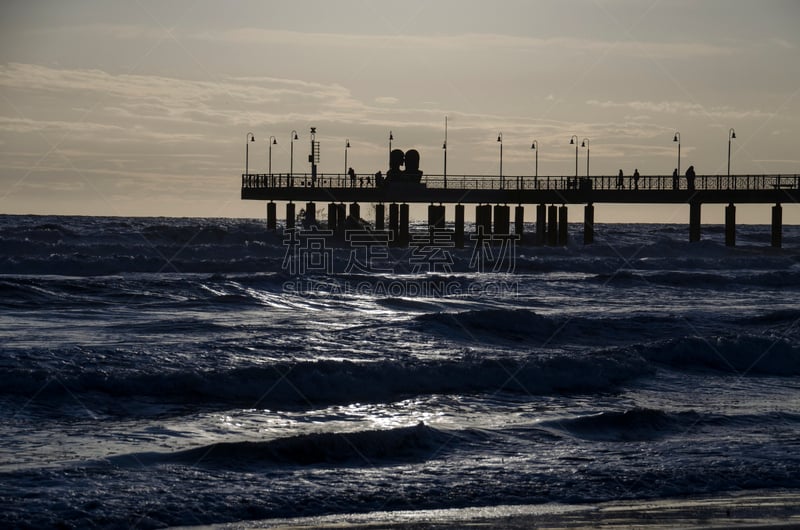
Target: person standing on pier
620,180
690,178
352,175
636,179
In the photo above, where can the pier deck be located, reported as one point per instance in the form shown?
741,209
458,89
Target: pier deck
483,191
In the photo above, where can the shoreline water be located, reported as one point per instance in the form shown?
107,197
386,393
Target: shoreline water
742,510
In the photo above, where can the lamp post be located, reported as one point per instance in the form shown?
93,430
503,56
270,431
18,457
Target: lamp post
444,151
585,143
291,152
250,138
574,140
500,139
677,138
272,141
391,137
535,147
346,147
731,136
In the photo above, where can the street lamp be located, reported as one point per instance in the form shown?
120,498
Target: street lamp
272,141
346,147
731,136
585,143
574,140
444,150
500,139
677,138
250,138
391,137
535,147
291,152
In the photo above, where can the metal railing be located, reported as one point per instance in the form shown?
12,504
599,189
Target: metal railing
514,183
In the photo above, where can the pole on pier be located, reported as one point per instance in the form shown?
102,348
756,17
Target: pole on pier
404,225
519,220
588,224
562,225
694,221
502,222
380,212
394,222
730,225
541,224
272,216
552,225
777,221
290,215
459,226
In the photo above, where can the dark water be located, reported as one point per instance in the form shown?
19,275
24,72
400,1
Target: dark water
159,372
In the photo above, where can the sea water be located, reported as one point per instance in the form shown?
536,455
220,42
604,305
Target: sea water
158,372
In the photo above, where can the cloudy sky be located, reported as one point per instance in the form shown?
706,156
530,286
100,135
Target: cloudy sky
141,107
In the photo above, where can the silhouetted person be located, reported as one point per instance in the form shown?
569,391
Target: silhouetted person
636,179
378,179
676,182
352,175
620,180
360,182
690,178
368,181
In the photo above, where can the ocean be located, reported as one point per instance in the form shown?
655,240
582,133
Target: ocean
163,372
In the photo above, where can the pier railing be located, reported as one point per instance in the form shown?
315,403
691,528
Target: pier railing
483,182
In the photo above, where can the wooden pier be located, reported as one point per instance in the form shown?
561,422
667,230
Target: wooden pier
492,196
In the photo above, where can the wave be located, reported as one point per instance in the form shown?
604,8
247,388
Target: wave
522,325
739,354
638,424
318,383
365,448
645,424
705,279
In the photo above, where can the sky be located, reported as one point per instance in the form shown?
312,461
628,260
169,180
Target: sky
141,107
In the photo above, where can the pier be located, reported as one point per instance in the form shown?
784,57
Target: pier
494,196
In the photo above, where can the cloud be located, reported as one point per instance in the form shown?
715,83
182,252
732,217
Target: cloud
386,100
684,107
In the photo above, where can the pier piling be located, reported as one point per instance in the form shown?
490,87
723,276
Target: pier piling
502,222
404,231
563,232
519,220
272,216
458,236
730,225
552,225
777,222
588,224
541,224
290,214
380,212
694,221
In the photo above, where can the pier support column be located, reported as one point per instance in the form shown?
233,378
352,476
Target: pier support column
519,220
730,225
394,222
380,212
552,225
333,211
404,224
777,222
541,224
272,216
588,224
355,211
459,226
694,221
341,218
483,219
436,217
290,215
563,234
311,214
502,221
